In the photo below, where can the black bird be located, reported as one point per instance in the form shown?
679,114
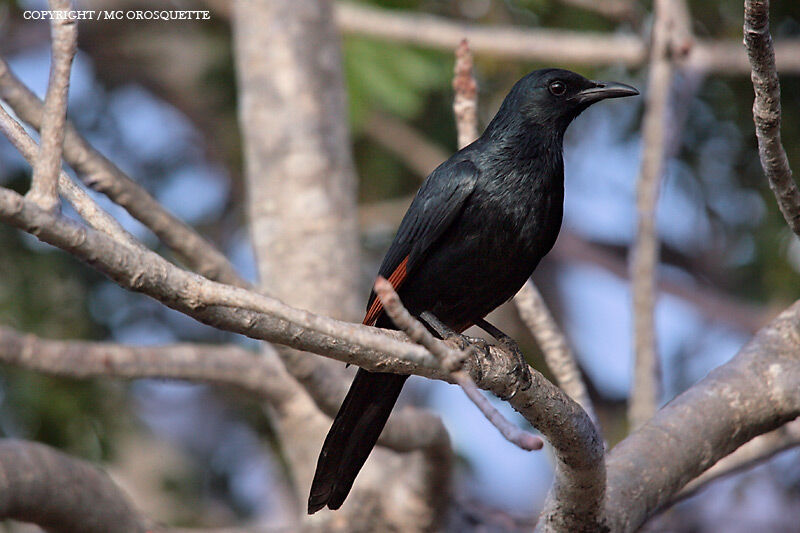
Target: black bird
477,228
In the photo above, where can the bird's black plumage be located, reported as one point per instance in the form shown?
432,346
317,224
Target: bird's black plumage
477,228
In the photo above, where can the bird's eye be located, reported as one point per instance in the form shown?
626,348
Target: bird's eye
557,88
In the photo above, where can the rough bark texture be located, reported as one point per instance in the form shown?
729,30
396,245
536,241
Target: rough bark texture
767,111
757,391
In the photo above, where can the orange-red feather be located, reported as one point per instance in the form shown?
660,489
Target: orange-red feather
396,279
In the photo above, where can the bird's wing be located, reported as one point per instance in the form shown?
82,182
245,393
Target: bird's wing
436,205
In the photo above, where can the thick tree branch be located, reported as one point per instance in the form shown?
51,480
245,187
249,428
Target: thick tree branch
64,34
750,454
754,393
302,213
62,494
104,176
767,110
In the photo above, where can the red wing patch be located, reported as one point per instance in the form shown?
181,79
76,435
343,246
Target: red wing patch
396,279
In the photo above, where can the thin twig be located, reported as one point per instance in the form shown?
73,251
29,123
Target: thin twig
465,101
85,206
104,176
555,348
646,386
64,33
452,361
767,110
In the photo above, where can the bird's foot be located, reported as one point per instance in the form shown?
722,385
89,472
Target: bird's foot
521,371
474,345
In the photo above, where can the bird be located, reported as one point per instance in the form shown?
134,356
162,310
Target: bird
472,236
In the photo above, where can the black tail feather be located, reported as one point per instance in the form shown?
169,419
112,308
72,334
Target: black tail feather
354,432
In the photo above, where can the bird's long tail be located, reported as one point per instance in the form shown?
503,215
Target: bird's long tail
354,433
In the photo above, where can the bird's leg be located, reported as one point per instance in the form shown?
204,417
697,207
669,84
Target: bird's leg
464,342
521,370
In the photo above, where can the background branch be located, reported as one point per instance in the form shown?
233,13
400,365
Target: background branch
104,176
646,386
553,343
553,46
62,494
550,46
64,32
626,10
86,207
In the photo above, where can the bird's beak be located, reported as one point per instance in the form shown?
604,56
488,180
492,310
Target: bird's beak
603,90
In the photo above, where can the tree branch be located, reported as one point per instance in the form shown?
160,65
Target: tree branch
451,361
553,46
64,32
465,101
646,385
550,46
557,353
62,494
104,176
750,454
415,151
753,393
767,110
260,375
86,207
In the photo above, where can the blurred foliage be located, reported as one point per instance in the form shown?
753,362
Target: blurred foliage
391,77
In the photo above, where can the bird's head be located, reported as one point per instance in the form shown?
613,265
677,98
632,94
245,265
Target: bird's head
554,97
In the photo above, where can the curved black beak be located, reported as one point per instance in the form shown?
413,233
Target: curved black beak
603,90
